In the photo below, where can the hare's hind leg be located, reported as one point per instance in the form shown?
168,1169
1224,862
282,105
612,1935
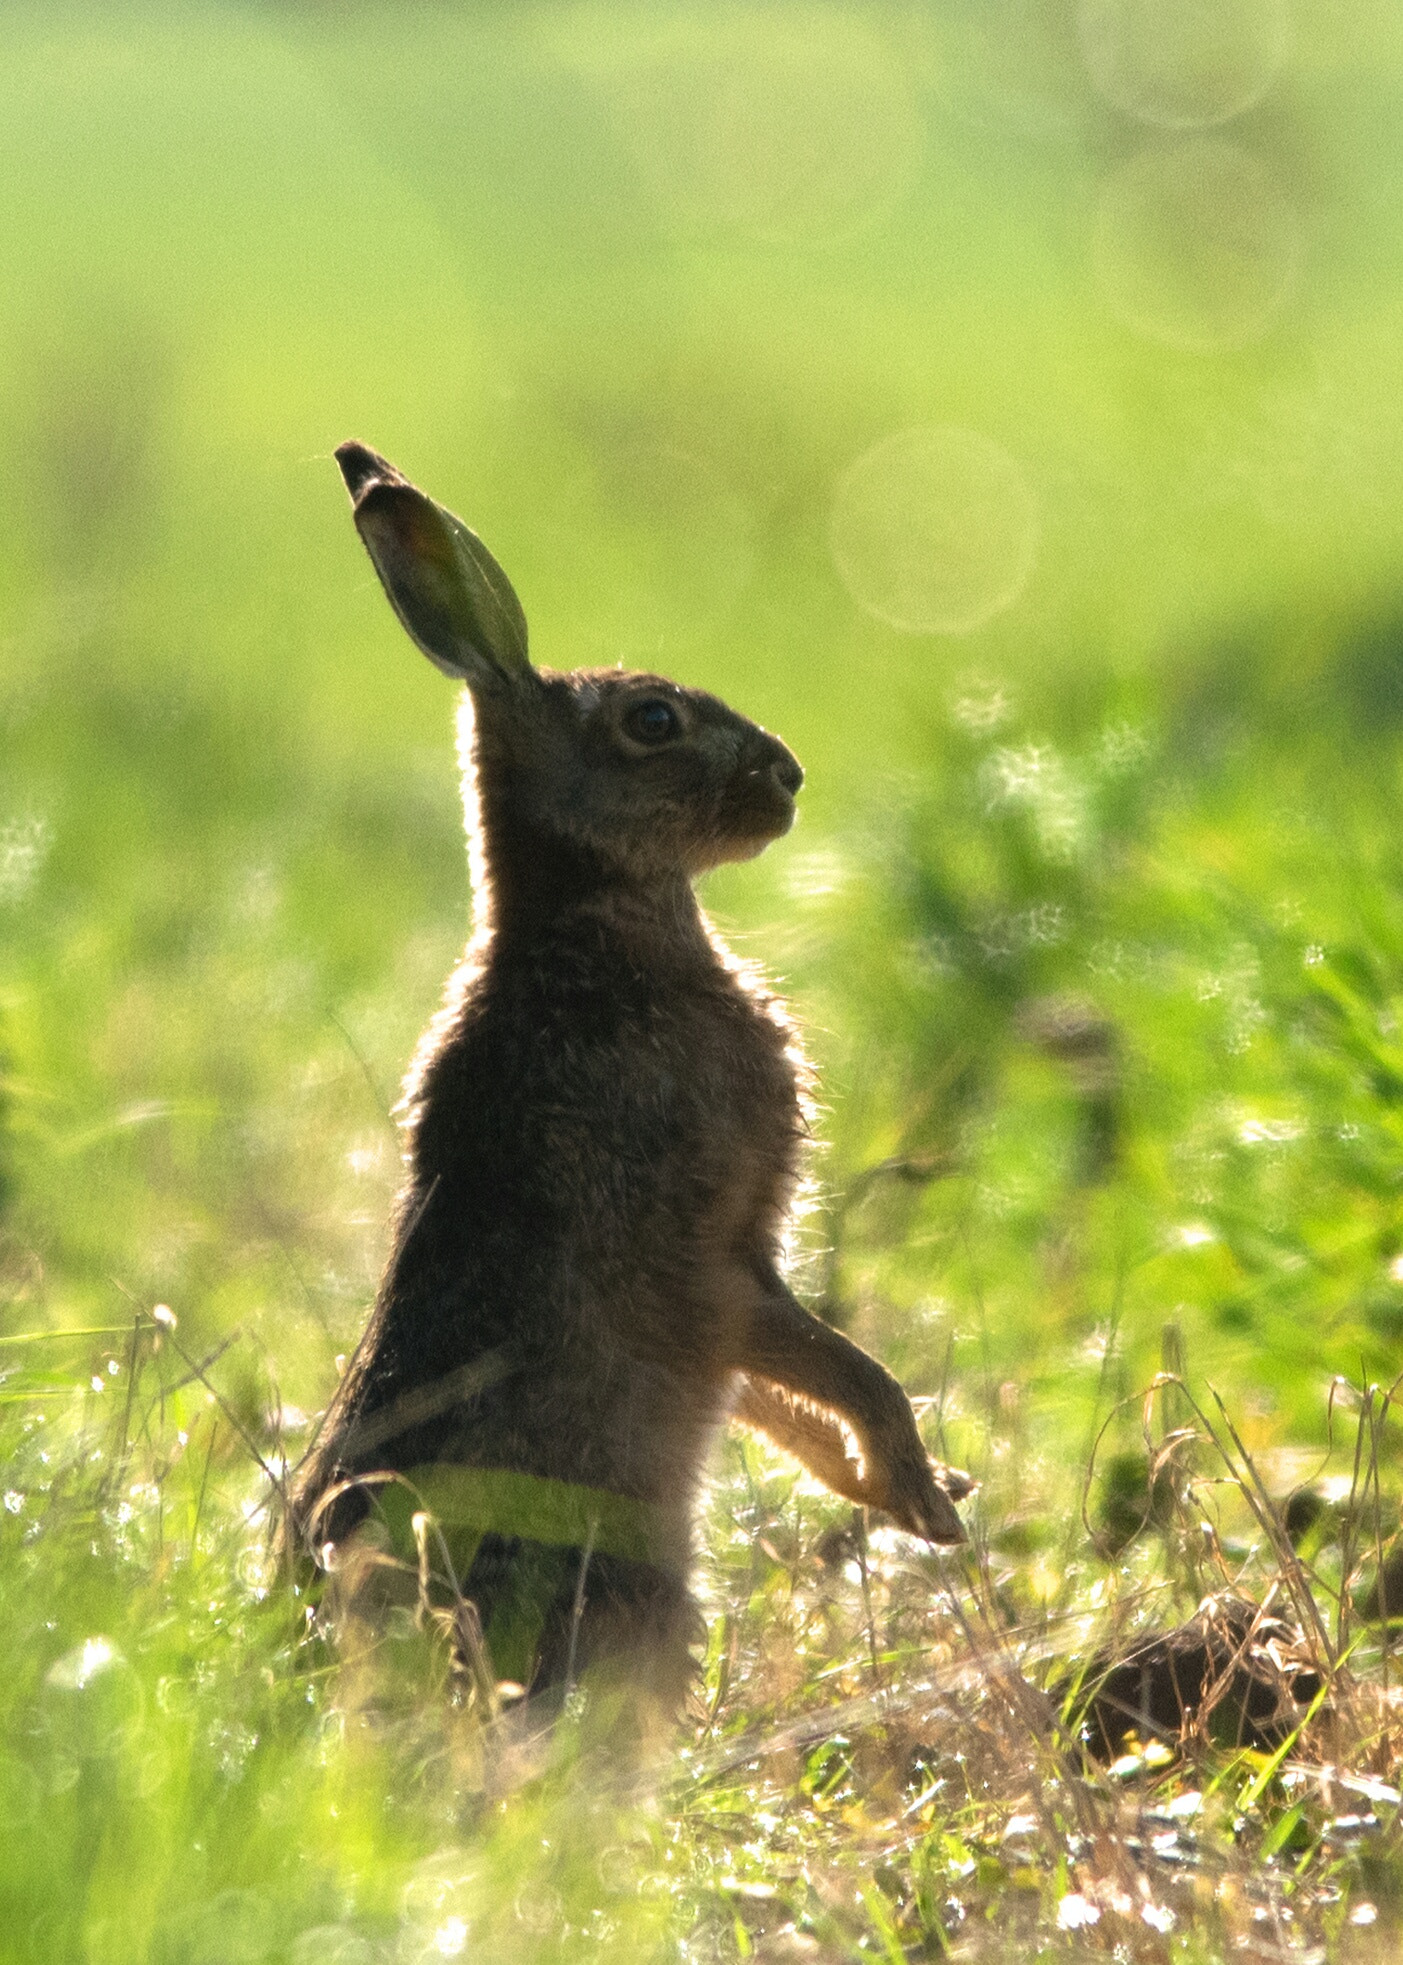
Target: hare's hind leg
624,1622
795,1350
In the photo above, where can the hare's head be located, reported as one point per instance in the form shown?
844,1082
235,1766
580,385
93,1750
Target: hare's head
625,774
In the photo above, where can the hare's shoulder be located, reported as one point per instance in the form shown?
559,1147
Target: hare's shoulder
595,1017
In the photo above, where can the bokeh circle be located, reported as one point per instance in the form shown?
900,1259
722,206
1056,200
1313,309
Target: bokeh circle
1183,64
796,124
934,530
1196,245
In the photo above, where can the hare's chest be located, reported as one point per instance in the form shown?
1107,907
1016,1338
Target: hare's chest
741,1104
757,1081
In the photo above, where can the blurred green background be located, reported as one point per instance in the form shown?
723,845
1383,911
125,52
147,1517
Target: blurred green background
999,398
1002,402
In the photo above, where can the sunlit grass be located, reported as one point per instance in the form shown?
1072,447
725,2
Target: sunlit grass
882,1751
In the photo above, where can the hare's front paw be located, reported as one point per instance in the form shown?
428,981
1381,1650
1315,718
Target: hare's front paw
954,1480
907,1488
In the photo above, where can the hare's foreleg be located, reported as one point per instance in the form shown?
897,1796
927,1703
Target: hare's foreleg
814,1436
795,1350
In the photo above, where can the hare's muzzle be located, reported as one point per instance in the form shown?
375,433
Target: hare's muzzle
787,771
762,792
768,762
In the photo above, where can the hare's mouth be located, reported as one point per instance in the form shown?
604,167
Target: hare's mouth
760,809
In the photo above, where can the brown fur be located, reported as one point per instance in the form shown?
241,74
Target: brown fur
604,1123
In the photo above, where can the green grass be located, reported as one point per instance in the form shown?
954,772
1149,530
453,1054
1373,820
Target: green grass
1094,920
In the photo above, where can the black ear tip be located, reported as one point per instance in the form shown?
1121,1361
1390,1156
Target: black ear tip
360,467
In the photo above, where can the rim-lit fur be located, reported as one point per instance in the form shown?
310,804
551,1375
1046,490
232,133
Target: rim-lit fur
603,1127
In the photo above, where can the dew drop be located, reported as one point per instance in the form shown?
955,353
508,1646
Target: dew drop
77,1669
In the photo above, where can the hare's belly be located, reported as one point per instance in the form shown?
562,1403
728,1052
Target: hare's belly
609,1417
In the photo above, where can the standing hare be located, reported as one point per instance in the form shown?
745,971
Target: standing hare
604,1125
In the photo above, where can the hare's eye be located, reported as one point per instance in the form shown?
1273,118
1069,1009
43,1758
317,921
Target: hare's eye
653,722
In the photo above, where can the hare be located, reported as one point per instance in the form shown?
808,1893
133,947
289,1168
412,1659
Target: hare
604,1124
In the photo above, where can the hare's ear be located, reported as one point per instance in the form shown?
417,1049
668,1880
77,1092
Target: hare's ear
445,586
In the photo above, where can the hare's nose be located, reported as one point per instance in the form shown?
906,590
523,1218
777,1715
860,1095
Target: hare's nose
788,770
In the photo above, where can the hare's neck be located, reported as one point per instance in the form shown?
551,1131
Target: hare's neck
659,924
524,878
528,882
